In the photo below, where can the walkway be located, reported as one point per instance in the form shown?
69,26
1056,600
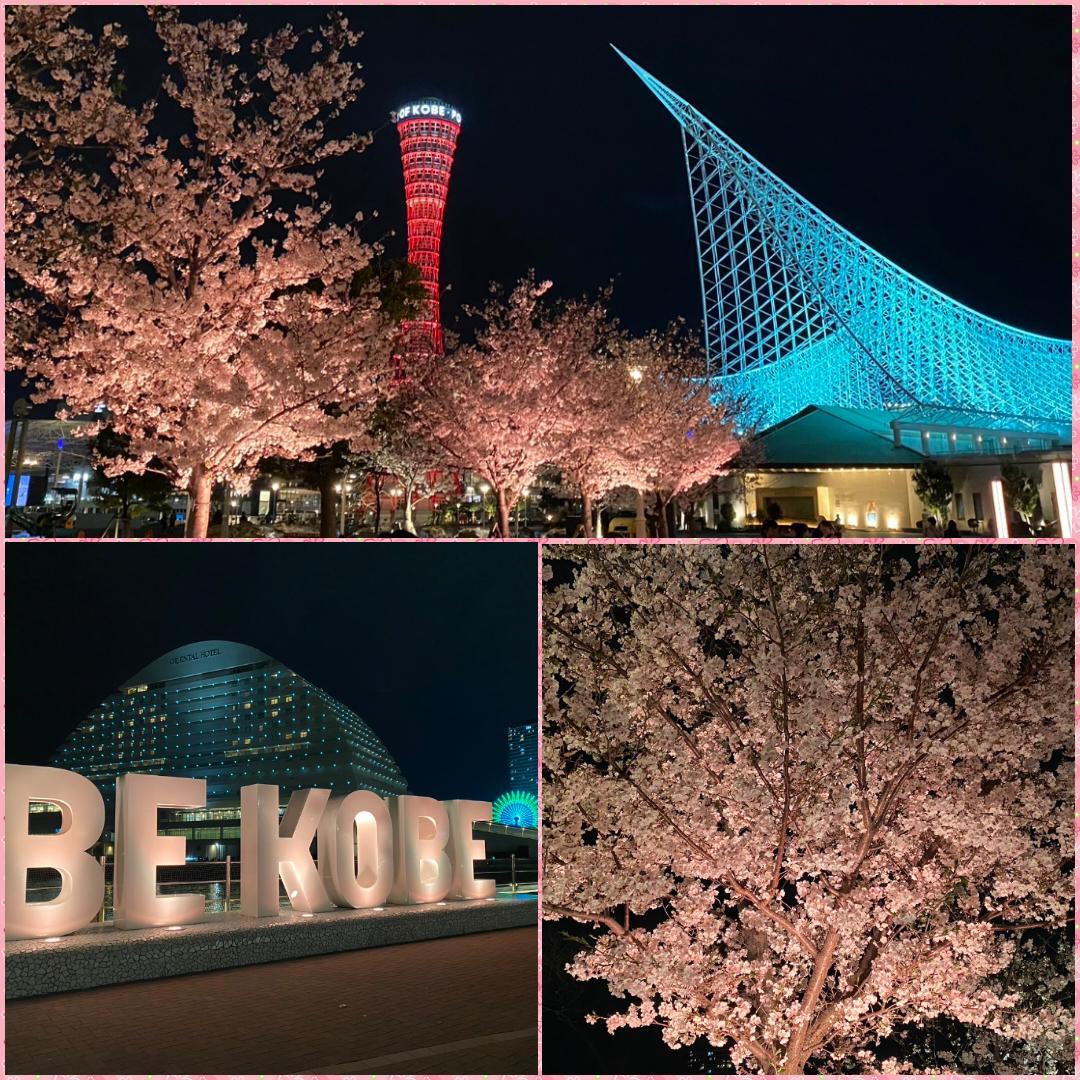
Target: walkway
453,1005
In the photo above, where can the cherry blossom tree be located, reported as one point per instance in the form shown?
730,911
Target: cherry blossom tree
810,797
400,450
192,286
591,450
674,436
497,405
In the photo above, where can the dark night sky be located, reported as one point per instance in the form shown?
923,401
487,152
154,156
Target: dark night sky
938,135
432,644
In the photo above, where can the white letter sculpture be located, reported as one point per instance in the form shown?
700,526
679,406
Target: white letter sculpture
462,813
82,878
421,831
356,850
140,850
267,851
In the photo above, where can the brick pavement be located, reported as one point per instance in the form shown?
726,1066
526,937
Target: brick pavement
463,1004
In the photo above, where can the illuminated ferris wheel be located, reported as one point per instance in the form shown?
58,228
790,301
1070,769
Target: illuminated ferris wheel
516,808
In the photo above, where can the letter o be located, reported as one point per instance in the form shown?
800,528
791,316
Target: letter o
356,850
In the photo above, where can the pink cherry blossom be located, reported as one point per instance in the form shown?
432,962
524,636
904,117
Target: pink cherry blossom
808,796
196,289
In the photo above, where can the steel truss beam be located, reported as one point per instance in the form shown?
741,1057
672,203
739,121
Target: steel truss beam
798,311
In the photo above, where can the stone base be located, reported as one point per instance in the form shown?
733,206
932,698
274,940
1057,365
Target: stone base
102,956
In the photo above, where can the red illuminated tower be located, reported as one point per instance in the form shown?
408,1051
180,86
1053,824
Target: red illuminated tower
429,130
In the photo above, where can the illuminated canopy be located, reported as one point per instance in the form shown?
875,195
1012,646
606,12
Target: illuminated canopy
799,312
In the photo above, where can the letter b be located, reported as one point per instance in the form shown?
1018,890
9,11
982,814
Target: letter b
421,830
82,878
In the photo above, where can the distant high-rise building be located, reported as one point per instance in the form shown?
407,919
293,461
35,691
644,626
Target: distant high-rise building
229,714
523,757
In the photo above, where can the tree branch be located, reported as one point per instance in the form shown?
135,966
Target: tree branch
583,916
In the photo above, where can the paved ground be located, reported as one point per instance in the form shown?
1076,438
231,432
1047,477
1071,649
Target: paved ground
454,1005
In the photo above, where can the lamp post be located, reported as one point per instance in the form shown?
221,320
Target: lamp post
340,489
517,511
275,487
636,375
484,489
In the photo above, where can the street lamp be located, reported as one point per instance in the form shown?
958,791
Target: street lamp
275,487
636,374
484,489
341,508
517,511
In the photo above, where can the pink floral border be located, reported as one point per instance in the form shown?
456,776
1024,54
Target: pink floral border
1076,492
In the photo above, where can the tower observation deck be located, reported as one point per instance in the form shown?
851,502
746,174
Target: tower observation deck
798,311
429,130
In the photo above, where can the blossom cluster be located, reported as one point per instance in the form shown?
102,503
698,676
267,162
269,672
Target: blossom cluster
810,796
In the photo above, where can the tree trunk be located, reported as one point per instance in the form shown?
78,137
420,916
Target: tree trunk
640,528
409,509
225,511
504,513
377,488
797,1052
327,499
600,523
586,514
202,486
661,517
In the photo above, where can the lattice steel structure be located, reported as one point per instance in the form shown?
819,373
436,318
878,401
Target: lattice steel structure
799,312
429,130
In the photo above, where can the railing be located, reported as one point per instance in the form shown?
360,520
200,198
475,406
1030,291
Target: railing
219,882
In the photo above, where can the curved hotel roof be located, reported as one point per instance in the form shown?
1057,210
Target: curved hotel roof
229,714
